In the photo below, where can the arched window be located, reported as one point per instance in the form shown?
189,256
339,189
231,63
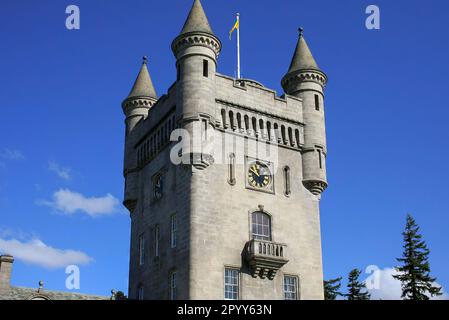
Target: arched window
239,121
261,226
276,132
290,136
231,120
270,136
246,120
254,124
284,138
223,118
298,141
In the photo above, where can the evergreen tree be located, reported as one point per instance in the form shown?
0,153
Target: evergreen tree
120,296
356,289
331,289
414,274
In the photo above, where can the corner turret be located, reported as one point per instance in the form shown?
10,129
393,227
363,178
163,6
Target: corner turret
141,98
196,50
307,81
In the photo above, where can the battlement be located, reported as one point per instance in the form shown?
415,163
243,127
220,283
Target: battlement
253,95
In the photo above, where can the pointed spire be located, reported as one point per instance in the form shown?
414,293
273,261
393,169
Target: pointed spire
197,20
303,58
143,86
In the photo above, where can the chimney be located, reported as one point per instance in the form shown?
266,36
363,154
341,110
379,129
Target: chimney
5,271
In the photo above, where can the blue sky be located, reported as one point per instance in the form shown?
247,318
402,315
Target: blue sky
62,125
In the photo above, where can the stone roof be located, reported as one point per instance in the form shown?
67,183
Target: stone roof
302,58
197,20
19,293
143,86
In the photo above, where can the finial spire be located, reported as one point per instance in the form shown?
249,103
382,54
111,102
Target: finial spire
197,20
143,86
302,58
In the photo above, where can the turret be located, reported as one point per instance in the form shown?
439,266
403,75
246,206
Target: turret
305,80
140,99
196,50
136,106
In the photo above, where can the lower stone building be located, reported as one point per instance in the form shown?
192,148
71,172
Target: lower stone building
8,292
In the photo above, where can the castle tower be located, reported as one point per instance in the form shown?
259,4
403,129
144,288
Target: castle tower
305,80
228,221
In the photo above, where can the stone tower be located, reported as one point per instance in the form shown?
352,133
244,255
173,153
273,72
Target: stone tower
223,178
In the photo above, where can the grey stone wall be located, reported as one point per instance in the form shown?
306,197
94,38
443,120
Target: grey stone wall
214,216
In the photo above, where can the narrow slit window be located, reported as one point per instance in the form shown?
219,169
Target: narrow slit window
204,129
173,285
231,169
174,231
205,68
317,103
320,160
178,72
141,250
287,189
156,241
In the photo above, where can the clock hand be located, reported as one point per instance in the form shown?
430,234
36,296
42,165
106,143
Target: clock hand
253,171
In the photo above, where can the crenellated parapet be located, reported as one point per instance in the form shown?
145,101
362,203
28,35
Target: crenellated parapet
290,81
202,39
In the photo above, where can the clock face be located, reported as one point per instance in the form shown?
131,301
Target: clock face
259,175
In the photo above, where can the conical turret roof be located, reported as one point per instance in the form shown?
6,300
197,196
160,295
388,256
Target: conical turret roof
197,20
143,86
302,58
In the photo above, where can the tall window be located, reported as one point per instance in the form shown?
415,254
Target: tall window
261,226
232,284
174,231
287,190
140,293
205,68
290,288
156,241
141,249
317,103
173,285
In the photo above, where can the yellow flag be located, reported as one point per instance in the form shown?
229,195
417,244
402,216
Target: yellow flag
236,26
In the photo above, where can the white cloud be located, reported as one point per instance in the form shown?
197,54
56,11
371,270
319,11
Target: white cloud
70,202
61,172
388,288
38,253
11,154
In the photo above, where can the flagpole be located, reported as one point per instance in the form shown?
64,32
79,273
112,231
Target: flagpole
238,46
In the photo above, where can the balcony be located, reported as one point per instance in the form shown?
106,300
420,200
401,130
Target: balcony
265,258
